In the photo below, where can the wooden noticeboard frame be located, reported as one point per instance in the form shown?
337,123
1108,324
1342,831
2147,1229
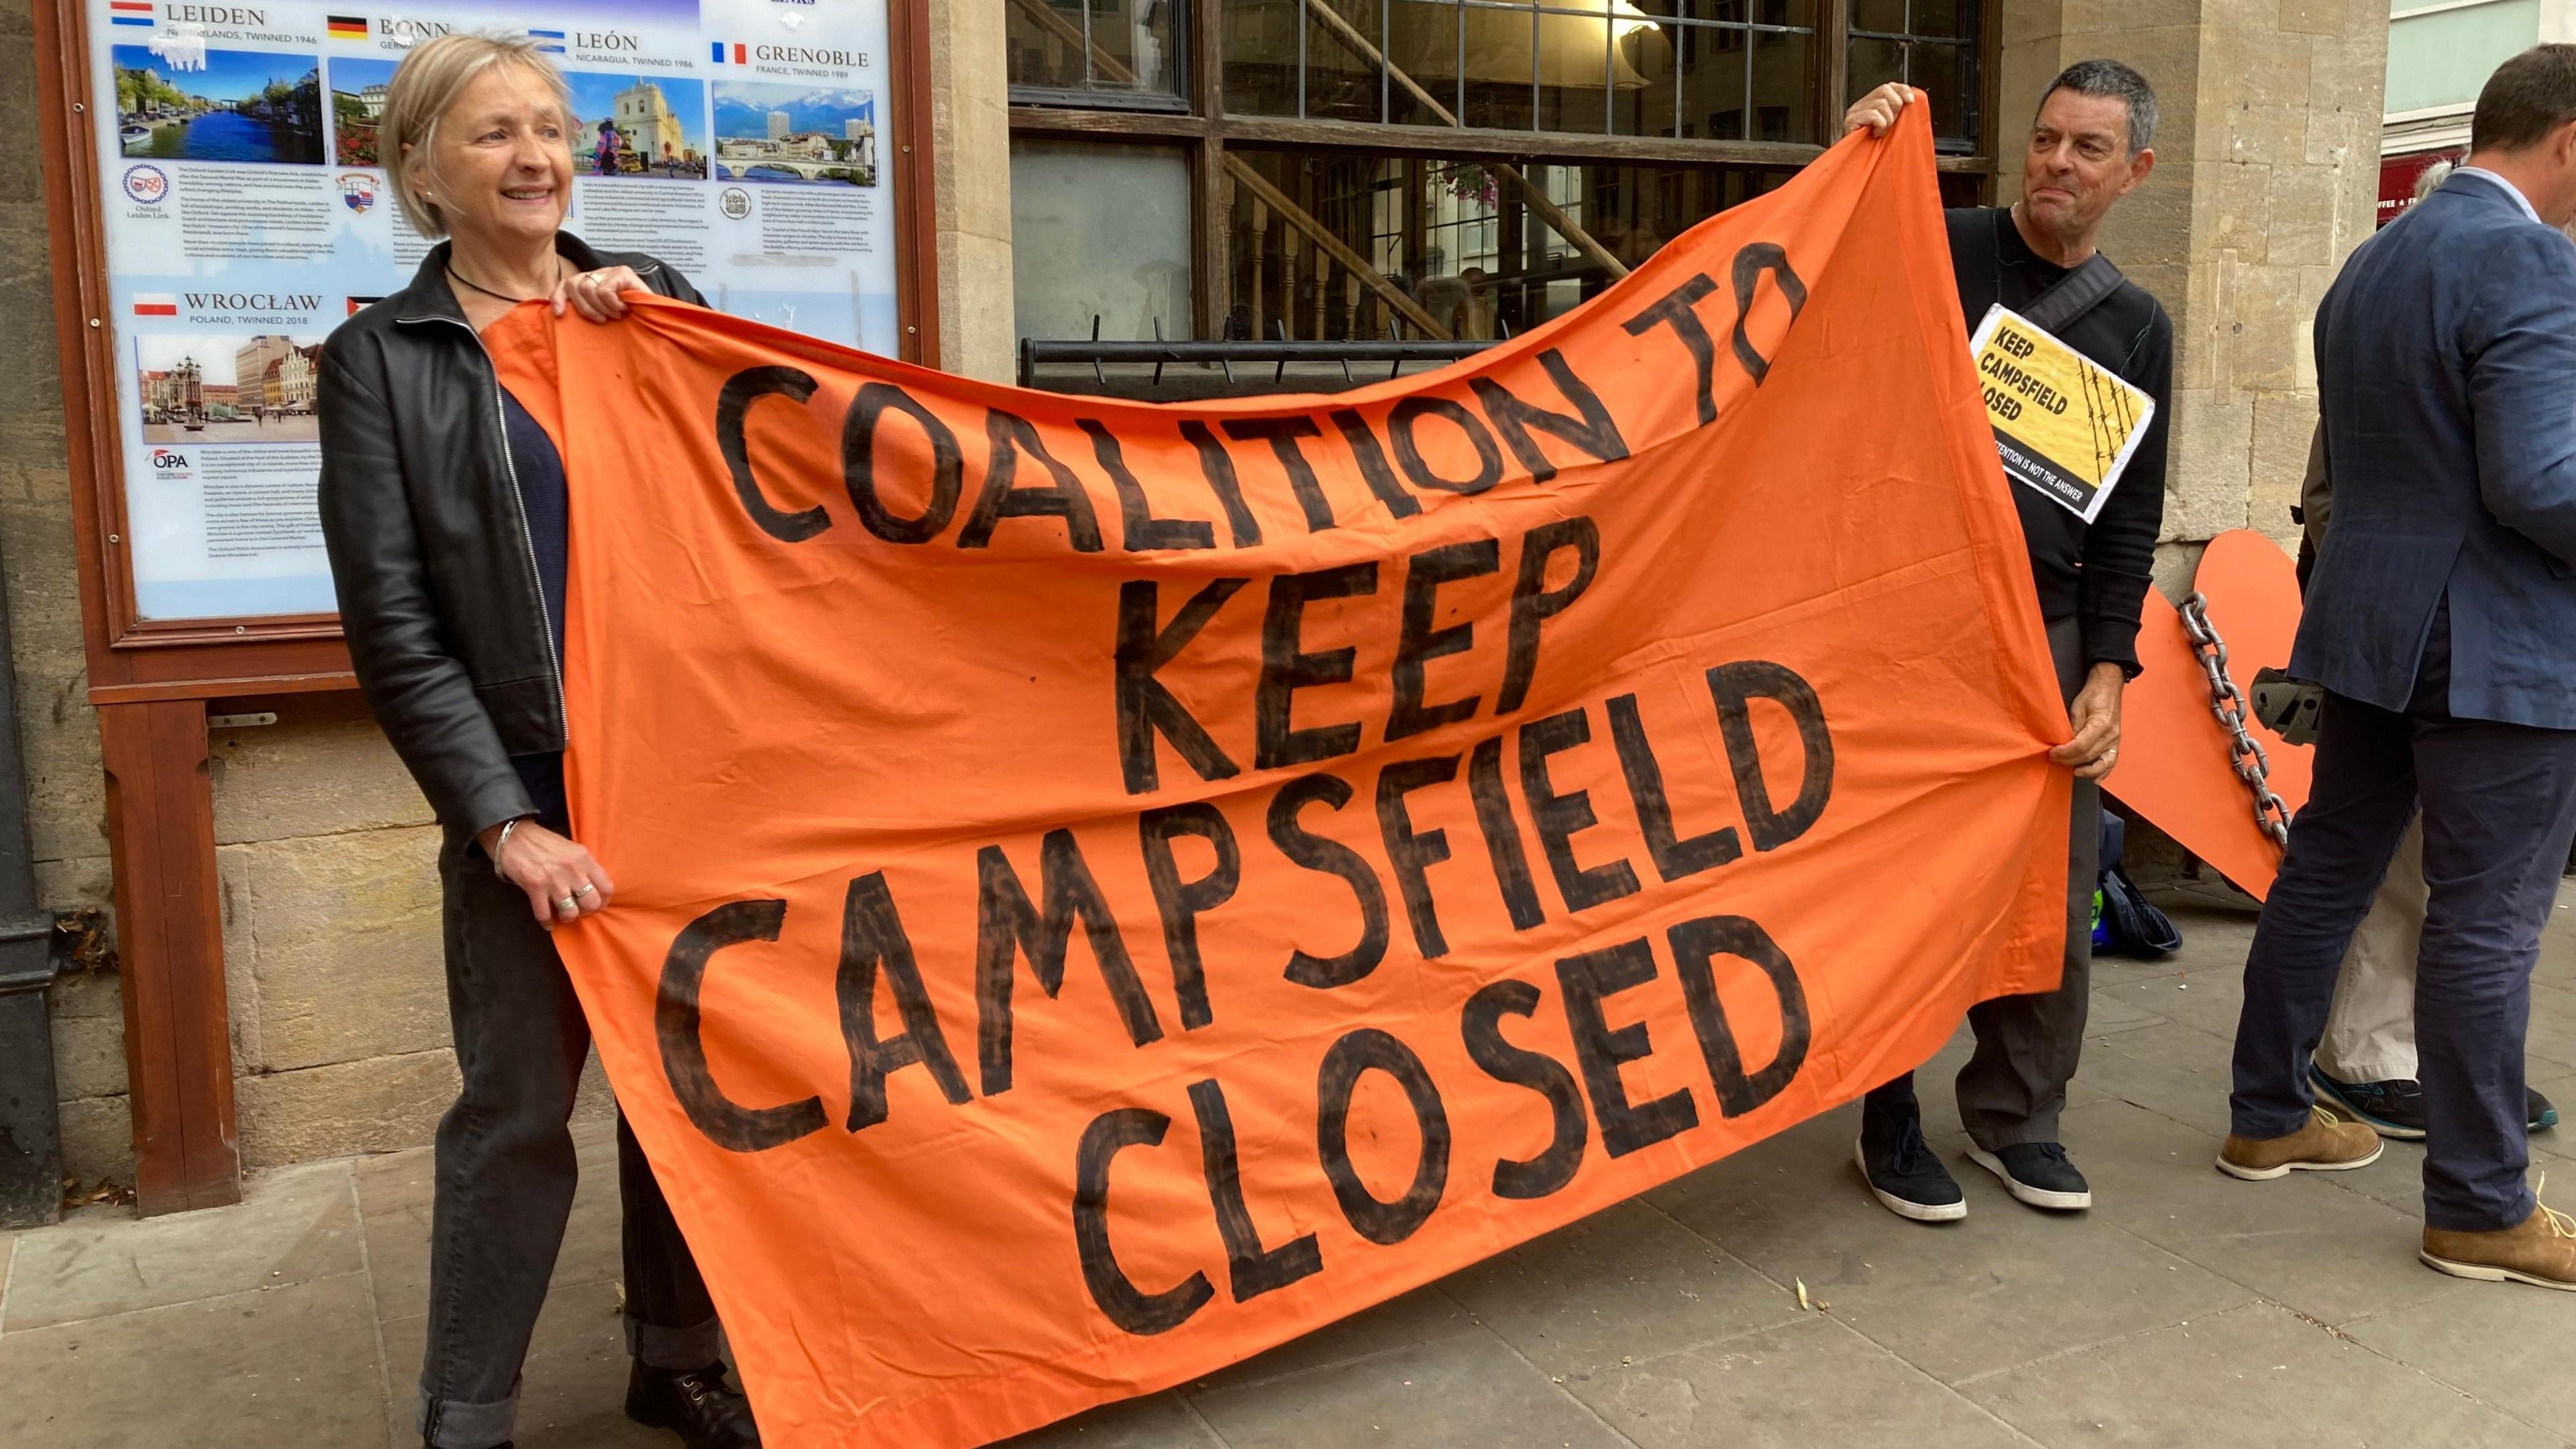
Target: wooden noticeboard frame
153,682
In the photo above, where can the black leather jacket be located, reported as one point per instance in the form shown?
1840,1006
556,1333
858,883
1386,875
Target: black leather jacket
429,547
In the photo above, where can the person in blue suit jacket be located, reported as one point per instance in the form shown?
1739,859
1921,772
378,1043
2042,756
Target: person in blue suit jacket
2441,620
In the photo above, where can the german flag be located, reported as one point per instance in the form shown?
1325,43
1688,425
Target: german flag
348,27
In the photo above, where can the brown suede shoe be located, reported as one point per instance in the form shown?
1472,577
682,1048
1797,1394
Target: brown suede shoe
2327,1144
2540,1252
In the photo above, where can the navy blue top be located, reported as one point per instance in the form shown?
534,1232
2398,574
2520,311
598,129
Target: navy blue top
548,508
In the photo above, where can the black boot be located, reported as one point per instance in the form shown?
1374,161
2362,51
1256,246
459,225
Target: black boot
705,1409
1900,1169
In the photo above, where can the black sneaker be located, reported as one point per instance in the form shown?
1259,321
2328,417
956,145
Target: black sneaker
1901,1171
2543,1115
2037,1173
2392,1108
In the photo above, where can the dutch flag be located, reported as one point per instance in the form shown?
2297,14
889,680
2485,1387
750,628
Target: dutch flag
156,304
130,12
549,41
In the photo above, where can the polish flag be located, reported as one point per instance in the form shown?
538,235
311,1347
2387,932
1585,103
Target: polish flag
156,304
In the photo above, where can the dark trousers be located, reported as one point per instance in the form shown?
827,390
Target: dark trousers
2014,1088
2499,808
505,1174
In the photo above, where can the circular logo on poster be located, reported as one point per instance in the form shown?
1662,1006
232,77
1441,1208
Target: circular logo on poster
735,203
149,185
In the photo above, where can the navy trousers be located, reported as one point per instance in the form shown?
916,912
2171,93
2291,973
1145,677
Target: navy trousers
2499,808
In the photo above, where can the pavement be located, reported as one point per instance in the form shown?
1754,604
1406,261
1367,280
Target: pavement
2185,1309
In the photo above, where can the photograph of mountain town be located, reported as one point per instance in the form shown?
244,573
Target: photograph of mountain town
796,134
218,105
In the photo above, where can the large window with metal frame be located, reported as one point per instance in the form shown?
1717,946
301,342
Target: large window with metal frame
1330,169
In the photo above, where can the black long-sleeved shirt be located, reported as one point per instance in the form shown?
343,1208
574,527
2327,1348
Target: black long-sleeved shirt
2097,575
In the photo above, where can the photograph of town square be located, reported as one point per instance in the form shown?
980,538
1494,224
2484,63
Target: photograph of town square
794,134
218,105
357,104
227,388
624,126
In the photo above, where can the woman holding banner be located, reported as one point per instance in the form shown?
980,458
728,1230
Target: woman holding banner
444,510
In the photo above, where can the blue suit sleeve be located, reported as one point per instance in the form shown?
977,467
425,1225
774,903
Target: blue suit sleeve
2522,391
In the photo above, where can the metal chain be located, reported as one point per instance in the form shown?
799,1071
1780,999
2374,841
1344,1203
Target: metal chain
2245,753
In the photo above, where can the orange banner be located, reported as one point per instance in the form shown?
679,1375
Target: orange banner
1103,889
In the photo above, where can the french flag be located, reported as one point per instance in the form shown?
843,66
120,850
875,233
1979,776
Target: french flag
130,12
156,304
738,57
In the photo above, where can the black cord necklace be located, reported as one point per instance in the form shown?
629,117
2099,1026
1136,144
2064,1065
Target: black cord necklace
502,296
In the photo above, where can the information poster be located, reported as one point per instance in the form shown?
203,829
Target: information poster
2065,427
247,214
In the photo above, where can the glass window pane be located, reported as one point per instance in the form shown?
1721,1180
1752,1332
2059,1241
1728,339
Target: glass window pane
1422,48
1457,239
1343,77
1941,17
1260,57
1502,61
1131,47
1882,15
1100,231
1042,40
1713,84
1579,66
1948,74
1872,63
1800,14
1650,53
1784,86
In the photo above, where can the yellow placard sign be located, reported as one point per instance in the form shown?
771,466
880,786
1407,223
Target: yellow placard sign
2064,425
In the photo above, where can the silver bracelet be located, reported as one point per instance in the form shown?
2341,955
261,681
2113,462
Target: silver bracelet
500,841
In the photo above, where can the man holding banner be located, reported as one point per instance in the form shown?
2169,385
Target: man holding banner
2090,548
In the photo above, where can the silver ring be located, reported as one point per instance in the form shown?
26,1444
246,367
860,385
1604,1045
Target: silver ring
567,907
587,888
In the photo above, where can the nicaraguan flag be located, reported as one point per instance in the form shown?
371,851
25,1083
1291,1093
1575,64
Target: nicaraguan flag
549,41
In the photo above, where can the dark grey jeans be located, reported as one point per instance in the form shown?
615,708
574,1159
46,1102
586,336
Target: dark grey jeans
2014,1088
505,1174
2499,806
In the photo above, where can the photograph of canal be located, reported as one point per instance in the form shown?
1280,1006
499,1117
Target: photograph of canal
793,134
231,105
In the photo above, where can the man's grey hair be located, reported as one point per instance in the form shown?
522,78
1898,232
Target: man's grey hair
2434,175
2118,82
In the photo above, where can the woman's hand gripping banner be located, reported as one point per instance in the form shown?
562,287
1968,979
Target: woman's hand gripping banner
1106,888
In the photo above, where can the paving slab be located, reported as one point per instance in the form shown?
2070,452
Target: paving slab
2004,1286
2505,1343
1622,1285
1802,1385
2255,1378
292,1225
2299,1241
2171,1069
292,1365
1158,1421
574,1394
1425,1315
1471,1392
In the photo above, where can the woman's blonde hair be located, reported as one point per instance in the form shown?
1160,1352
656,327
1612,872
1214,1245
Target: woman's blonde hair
428,82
